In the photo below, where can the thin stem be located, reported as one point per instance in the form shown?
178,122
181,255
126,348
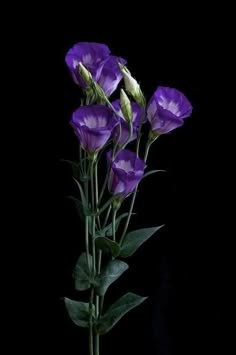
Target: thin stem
101,304
116,143
96,192
97,338
134,196
148,145
87,243
92,185
114,224
91,322
103,189
129,215
107,216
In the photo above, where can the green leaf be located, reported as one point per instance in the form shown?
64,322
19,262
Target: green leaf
79,312
86,210
117,310
81,273
110,274
133,240
108,246
153,172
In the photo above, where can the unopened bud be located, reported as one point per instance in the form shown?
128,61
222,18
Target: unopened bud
125,106
85,74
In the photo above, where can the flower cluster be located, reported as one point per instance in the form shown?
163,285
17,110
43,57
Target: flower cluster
102,125
94,125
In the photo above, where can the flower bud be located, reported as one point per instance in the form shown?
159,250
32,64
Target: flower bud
132,86
85,74
125,106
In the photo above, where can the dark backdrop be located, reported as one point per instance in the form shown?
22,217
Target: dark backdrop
179,268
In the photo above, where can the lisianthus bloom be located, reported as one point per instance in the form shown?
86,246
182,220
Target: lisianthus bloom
111,75
91,55
126,171
167,109
137,115
96,58
93,125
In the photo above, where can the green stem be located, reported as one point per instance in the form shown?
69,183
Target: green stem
87,243
91,322
92,184
148,145
103,189
96,192
114,224
107,216
97,338
134,196
129,215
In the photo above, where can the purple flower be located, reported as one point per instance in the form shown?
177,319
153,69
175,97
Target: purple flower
126,172
97,59
166,109
93,125
137,115
91,55
111,75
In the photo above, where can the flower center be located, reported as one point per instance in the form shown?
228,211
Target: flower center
124,165
87,59
95,122
171,105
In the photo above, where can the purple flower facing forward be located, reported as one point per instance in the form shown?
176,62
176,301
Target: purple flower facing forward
137,115
91,55
93,125
126,172
167,109
111,75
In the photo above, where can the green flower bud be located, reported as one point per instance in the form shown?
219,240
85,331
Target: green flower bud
125,106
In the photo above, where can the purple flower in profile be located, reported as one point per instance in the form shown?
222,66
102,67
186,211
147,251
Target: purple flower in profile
167,109
126,172
137,115
93,125
111,75
96,58
91,55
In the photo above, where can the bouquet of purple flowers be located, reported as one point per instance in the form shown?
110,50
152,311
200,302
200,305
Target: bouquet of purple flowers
106,128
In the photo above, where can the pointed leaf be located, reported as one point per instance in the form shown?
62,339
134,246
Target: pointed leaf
110,274
108,246
133,240
117,310
81,273
79,312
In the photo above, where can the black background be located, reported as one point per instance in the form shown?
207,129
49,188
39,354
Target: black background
180,269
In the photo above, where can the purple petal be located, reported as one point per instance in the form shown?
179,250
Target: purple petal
93,125
111,74
126,172
92,55
166,109
137,115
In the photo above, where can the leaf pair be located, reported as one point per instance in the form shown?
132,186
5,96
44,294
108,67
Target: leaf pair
109,274
79,312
